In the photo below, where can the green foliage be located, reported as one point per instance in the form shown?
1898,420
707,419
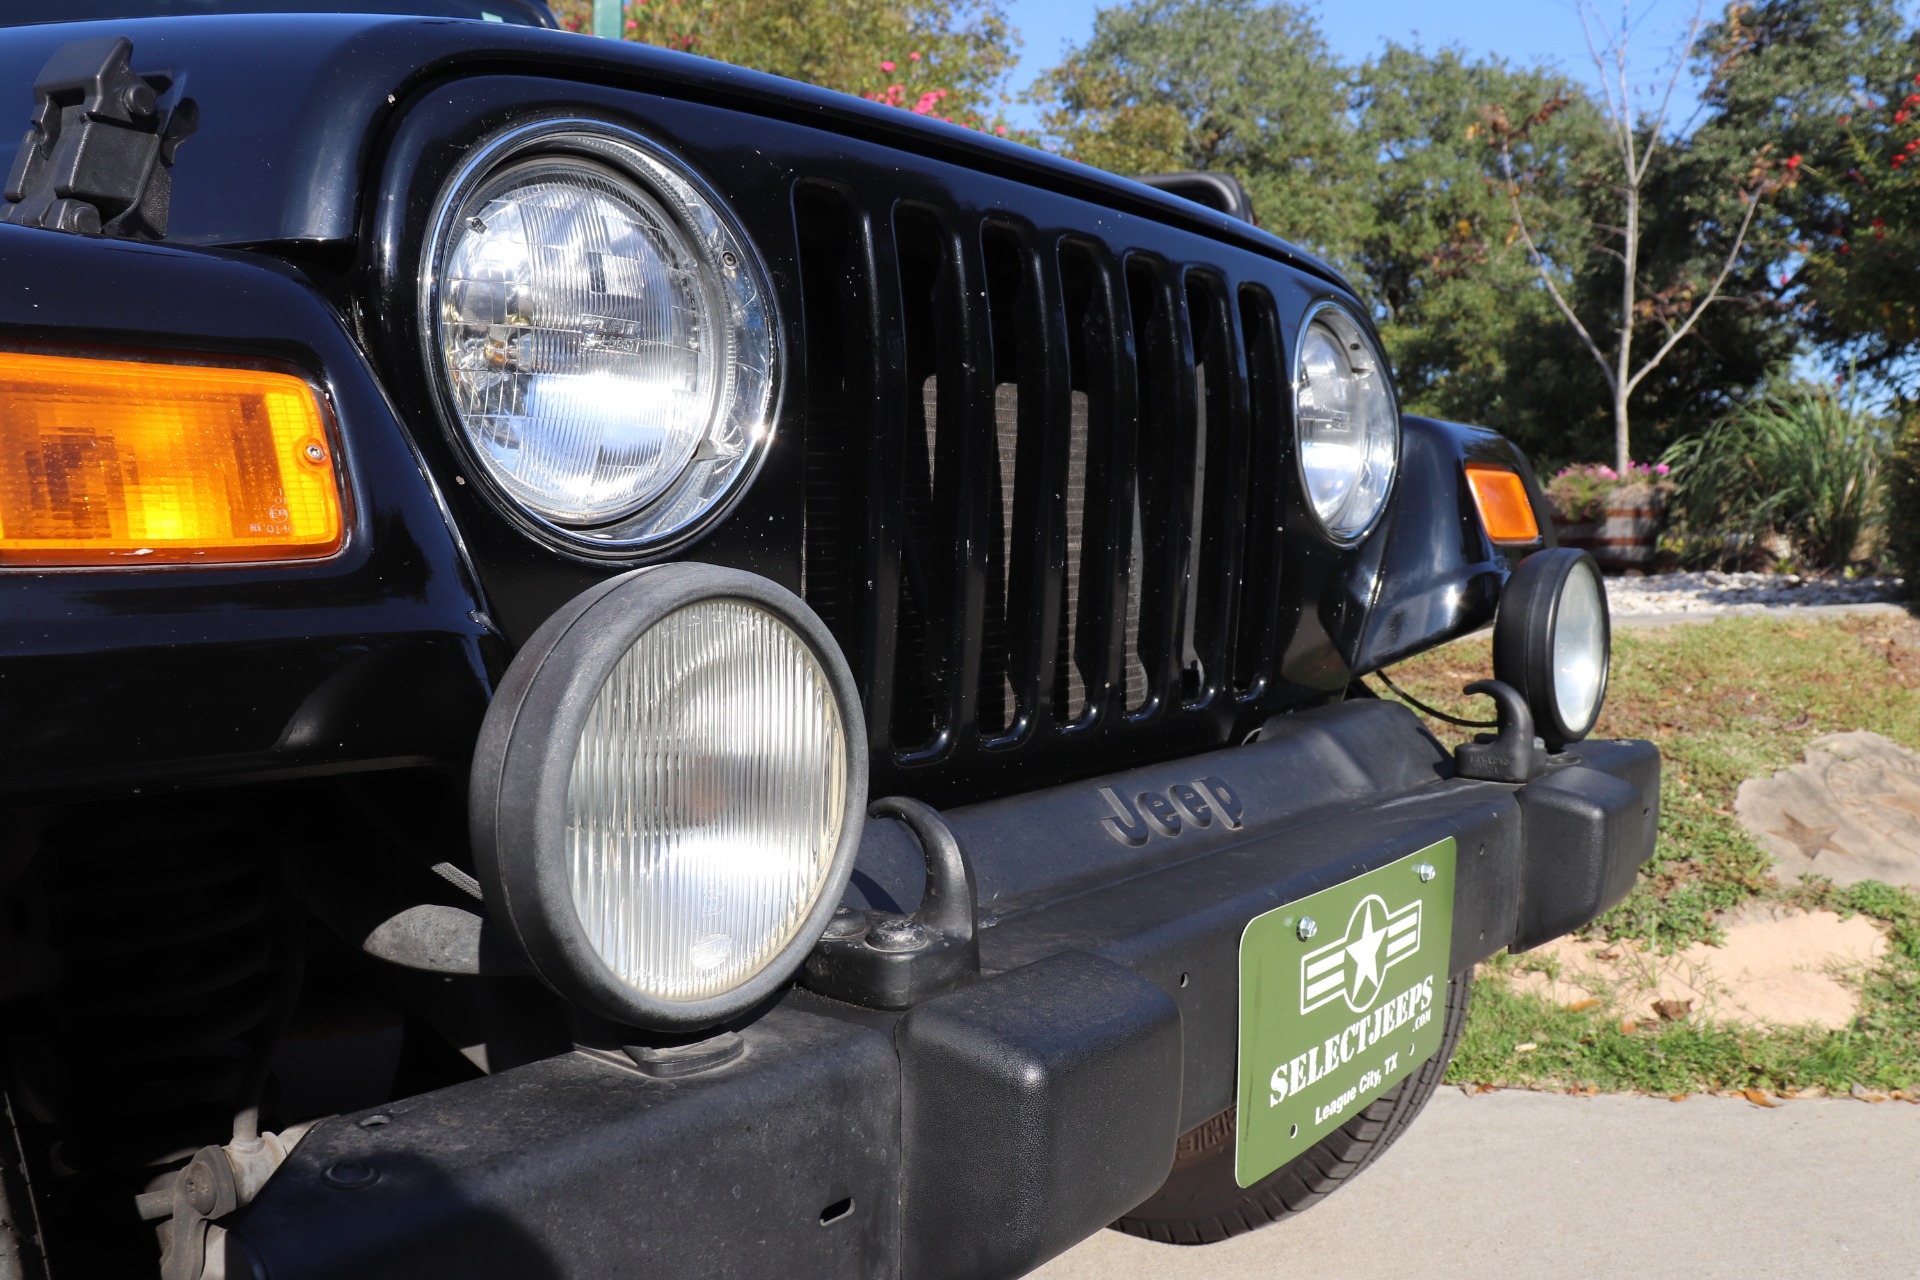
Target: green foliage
1804,464
959,49
1248,87
1817,89
1460,308
1900,497
1575,1048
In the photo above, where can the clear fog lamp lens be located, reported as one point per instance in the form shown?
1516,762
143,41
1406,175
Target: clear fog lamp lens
1580,648
1348,428
705,802
603,333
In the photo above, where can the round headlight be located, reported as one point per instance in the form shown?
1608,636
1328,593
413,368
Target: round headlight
602,334
1552,640
667,794
1347,428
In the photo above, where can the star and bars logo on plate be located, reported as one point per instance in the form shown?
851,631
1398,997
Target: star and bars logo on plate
1355,965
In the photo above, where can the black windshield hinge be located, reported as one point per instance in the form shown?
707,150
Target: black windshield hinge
96,158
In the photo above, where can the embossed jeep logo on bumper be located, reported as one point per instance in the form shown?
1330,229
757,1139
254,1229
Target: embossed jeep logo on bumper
1201,802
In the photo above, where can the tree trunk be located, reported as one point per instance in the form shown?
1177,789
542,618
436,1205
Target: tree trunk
1623,363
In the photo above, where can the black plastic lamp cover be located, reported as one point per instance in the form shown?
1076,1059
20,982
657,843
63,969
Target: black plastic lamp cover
524,763
1553,641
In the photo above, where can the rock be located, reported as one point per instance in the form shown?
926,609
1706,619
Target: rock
1850,811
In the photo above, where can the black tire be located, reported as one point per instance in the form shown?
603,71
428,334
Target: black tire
1200,1203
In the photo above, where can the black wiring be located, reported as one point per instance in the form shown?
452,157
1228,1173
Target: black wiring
1435,712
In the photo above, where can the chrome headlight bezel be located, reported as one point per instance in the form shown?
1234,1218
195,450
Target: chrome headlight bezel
1343,533
523,764
751,375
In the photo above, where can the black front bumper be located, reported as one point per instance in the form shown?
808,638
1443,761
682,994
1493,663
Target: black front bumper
990,1128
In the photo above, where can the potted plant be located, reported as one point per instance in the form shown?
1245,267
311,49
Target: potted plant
1616,516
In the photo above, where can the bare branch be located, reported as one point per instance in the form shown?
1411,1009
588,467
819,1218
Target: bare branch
1726,269
1540,262
1619,112
1680,60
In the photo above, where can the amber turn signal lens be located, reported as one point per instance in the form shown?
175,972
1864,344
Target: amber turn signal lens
120,462
1504,509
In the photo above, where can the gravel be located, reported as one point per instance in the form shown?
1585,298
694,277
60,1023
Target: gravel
1714,592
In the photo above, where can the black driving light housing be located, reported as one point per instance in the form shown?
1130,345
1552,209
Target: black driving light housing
1553,641
667,794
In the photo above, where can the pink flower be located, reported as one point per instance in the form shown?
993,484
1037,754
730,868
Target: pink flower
913,57
1001,130
1608,473
1661,469
887,67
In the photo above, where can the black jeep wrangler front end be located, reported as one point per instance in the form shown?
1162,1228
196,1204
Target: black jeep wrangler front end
616,666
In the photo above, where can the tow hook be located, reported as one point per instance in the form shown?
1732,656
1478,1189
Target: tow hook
887,961
1511,753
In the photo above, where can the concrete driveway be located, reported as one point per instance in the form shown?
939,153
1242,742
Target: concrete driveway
1548,1186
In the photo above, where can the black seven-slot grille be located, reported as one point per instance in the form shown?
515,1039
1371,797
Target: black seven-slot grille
1042,489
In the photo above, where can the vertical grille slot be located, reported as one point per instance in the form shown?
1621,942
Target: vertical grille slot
1220,479
1163,470
1271,444
1031,425
832,314
995,713
1103,581
920,674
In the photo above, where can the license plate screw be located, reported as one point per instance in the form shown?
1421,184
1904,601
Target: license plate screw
1308,928
1425,871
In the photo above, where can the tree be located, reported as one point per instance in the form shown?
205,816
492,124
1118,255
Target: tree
1247,87
1637,141
958,49
1829,87
1458,304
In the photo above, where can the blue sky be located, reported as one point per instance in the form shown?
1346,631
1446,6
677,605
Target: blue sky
1519,30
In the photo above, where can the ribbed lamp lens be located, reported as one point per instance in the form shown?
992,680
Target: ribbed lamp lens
705,801
580,339
1349,432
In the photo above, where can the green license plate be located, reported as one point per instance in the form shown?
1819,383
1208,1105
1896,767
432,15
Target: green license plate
1329,1022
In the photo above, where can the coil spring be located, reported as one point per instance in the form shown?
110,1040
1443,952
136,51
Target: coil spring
160,917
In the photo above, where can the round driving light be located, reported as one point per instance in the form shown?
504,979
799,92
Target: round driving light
1347,427
601,333
668,792
1552,640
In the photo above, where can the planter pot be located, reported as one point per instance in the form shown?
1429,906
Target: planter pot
1625,538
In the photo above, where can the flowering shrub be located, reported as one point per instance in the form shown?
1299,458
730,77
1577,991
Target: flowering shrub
1859,268
1583,491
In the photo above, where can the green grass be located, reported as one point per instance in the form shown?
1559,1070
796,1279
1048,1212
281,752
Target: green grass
1726,701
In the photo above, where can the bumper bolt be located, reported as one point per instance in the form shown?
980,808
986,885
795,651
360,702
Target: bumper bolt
1425,871
1308,927
897,934
350,1175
